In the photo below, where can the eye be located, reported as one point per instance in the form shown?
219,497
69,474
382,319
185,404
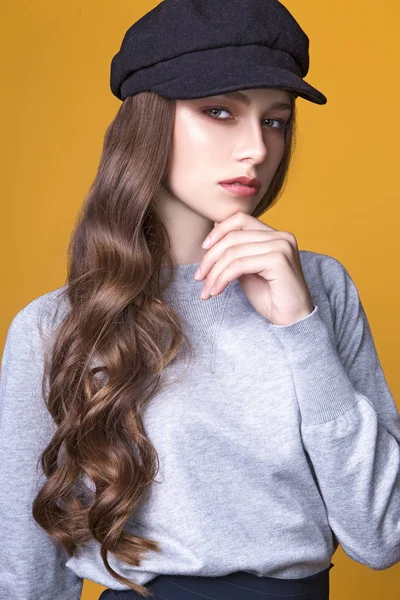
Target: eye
279,123
207,111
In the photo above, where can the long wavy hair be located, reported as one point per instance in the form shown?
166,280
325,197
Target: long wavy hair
116,315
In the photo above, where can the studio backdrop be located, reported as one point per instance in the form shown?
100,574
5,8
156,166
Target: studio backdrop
342,197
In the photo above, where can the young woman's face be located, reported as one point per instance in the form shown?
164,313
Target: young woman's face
215,139
218,138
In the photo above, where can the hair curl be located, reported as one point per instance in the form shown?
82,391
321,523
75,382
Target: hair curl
116,316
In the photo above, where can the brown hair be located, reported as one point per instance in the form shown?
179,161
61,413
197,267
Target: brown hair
115,314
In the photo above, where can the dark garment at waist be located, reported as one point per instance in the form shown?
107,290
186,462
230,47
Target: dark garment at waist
235,586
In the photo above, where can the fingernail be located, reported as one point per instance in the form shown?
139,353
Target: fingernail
206,243
197,274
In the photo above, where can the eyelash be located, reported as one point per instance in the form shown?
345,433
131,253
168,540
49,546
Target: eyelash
283,124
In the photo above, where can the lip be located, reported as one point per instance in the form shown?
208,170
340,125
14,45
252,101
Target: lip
256,183
240,190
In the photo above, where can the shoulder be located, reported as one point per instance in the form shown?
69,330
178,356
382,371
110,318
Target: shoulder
324,273
37,318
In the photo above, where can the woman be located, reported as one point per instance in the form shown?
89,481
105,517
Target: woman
236,473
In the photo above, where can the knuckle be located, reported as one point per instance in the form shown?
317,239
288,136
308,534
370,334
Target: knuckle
231,235
287,247
278,257
290,237
237,261
231,252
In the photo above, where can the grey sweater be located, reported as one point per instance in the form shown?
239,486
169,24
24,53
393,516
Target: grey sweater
275,445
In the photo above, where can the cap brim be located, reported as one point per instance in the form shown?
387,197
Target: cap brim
184,87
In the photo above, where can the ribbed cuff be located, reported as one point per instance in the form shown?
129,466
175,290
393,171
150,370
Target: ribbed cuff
323,388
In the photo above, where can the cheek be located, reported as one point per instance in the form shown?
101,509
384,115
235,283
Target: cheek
195,142
193,151
276,150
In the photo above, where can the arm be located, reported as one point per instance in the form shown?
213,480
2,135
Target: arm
350,424
31,565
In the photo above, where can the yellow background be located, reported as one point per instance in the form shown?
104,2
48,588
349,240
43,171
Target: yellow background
342,197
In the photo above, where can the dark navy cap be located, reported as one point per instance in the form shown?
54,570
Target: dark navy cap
196,48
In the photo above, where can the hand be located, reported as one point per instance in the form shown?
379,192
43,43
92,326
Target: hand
265,261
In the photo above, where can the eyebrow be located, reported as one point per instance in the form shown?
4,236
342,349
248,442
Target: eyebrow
246,100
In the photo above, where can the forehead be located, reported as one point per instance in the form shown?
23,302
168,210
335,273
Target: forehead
247,96
275,98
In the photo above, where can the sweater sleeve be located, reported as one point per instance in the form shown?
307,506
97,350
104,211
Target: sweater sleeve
32,566
350,423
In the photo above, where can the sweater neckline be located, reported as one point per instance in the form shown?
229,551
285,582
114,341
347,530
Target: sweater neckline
184,285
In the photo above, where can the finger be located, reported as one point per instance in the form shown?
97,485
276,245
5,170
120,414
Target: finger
253,263
235,238
239,220
222,274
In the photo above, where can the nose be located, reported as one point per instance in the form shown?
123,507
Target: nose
252,144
